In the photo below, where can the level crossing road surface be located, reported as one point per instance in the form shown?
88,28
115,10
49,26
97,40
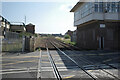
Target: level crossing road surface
38,65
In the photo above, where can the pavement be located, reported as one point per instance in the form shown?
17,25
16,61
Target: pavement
36,65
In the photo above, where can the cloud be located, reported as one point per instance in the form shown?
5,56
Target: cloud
38,0
66,7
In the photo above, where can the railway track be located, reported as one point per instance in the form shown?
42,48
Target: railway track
56,69
59,61
55,44
93,77
56,72
60,43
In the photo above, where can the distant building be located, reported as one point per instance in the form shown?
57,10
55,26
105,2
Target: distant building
44,35
98,25
72,35
57,35
30,28
17,27
4,26
69,32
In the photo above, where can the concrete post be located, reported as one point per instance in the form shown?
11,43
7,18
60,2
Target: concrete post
0,56
23,43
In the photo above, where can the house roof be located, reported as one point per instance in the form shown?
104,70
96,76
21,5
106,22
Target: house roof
76,6
30,24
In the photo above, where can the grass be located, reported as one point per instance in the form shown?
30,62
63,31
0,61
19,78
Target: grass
68,41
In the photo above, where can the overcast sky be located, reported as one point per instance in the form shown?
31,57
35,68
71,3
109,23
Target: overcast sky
48,17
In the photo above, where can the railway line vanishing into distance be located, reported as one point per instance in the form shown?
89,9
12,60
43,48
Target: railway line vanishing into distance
90,70
57,60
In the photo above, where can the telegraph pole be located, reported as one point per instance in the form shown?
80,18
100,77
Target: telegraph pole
25,20
23,37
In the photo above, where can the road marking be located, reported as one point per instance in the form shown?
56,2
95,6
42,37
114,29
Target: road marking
50,69
22,57
107,60
69,77
17,72
18,69
45,62
10,60
39,65
19,62
59,63
55,55
74,67
47,55
44,56
90,70
108,53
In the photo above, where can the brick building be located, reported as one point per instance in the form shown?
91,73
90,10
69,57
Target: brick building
98,25
30,28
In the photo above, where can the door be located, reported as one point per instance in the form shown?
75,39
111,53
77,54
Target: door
101,43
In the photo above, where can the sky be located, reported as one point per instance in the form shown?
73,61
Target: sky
48,17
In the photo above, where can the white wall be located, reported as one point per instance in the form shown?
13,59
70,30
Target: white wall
93,16
98,16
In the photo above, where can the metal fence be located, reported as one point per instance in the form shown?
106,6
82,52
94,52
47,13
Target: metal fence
12,42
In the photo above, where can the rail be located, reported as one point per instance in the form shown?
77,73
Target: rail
89,74
98,65
57,74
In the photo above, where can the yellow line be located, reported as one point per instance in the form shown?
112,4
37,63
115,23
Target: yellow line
45,62
21,57
18,67
47,55
90,70
19,62
44,56
55,55
59,63
68,77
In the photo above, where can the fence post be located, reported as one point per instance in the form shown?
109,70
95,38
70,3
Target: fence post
23,43
32,44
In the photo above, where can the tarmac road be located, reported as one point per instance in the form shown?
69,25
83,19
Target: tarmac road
20,65
37,65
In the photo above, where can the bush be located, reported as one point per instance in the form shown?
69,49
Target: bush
27,34
67,37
